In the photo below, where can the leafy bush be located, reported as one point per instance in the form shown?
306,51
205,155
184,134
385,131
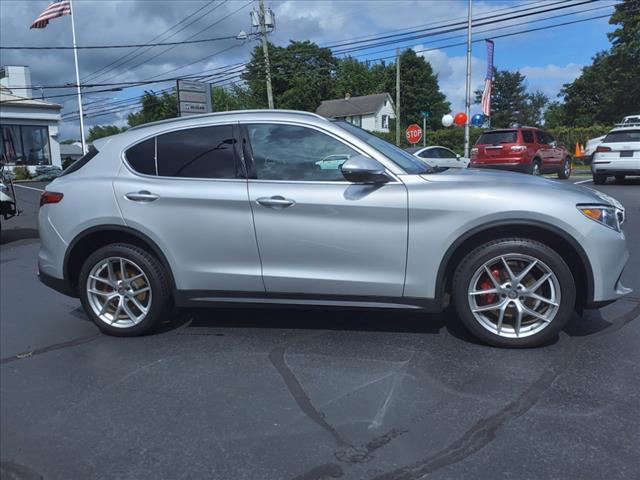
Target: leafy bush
569,136
21,172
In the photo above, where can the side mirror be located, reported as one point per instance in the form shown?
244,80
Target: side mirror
361,169
458,156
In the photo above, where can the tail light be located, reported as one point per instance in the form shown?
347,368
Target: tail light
518,148
50,197
603,149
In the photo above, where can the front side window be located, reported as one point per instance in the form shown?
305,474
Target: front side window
25,145
205,152
543,138
623,136
430,153
444,153
289,152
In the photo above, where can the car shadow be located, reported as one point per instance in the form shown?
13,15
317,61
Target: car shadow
16,234
309,318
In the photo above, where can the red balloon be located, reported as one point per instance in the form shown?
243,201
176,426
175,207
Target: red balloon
460,118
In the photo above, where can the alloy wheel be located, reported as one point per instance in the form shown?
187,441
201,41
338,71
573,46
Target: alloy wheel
514,295
119,292
536,169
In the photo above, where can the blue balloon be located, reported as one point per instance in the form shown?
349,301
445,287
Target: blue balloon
477,119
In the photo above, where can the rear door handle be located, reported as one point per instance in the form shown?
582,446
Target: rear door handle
276,202
142,196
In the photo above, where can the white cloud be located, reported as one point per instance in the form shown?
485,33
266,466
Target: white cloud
452,76
550,78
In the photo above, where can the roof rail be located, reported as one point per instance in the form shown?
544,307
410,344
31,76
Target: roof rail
627,124
221,114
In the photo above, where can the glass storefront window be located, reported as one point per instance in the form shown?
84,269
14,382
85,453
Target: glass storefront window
25,145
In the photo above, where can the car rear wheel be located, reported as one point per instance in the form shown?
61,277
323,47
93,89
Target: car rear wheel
599,179
565,170
514,292
536,168
124,290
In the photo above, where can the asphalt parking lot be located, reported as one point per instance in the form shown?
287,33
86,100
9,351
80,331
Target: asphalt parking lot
307,393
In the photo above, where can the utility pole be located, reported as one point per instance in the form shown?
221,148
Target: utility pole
468,95
265,50
398,97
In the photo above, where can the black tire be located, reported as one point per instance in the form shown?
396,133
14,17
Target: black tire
539,251
160,288
565,169
536,167
620,178
599,179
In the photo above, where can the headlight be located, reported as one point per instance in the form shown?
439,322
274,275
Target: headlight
608,216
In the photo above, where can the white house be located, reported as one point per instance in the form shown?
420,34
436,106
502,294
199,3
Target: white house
28,129
371,112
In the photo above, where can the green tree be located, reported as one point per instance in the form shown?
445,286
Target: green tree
154,108
100,131
353,77
554,115
233,98
419,90
609,88
301,75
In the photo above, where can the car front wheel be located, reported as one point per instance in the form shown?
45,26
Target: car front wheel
124,290
565,170
514,292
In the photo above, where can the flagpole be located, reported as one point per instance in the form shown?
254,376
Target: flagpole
75,58
467,104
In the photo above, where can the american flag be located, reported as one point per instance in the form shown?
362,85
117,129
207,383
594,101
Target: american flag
56,9
488,80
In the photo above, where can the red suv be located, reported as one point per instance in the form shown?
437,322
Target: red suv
523,149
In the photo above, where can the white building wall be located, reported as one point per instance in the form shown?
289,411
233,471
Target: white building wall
369,122
389,110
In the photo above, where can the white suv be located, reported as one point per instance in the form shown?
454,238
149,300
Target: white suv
618,155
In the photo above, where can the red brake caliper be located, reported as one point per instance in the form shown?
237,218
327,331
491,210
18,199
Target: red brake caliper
490,298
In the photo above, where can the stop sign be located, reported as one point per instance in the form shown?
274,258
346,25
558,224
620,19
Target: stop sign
414,133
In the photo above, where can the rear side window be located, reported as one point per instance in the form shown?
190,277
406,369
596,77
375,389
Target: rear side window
623,136
496,138
81,162
142,157
527,136
206,152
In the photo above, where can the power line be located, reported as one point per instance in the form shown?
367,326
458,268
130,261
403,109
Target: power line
106,67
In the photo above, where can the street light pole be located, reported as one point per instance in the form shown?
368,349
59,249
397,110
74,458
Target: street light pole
398,97
468,94
265,50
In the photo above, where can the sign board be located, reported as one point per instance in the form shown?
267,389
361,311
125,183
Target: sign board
193,97
414,133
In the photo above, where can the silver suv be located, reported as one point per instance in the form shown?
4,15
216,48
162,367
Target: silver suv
232,208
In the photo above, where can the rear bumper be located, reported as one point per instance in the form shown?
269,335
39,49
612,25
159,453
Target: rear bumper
58,284
510,166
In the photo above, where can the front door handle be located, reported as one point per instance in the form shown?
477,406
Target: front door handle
142,196
276,202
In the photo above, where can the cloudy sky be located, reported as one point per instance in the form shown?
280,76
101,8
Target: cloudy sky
548,57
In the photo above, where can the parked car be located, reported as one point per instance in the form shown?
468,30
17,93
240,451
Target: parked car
593,143
230,208
618,155
523,149
439,156
8,207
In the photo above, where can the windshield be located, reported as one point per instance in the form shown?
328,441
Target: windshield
623,136
496,138
406,161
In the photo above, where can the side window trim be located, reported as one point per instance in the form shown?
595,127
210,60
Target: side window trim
237,156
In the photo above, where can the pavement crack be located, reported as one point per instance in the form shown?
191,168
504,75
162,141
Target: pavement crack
301,397
49,348
486,429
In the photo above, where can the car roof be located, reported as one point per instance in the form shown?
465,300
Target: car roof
631,126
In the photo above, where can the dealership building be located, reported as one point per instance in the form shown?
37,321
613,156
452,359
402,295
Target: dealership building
29,127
